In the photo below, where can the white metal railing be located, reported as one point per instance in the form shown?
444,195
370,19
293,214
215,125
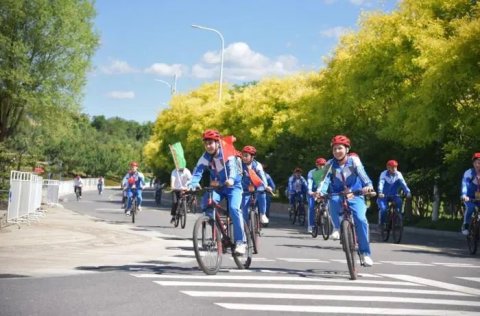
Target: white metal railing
28,191
24,197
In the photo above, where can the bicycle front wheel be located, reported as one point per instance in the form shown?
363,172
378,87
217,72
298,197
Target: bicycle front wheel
183,213
473,236
397,227
252,223
327,226
207,245
348,243
318,223
134,210
243,261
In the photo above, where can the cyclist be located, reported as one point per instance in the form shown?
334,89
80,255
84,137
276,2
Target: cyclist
226,173
254,183
471,191
179,180
297,187
134,179
77,185
347,174
391,181
100,184
313,180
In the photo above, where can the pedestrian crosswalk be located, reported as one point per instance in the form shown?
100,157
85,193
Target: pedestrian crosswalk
379,294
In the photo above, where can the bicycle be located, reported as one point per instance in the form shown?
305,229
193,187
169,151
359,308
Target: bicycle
298,210
158,194
348,236
134,207
323,220
192,203
182,209
394,221
77,193
254,224
473,236
213,237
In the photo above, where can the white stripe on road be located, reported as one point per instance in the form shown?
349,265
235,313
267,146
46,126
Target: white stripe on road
456,265
120,210
342,310
270,278
442,285
408,263
302,260
470,279
308,287
333,297
263,260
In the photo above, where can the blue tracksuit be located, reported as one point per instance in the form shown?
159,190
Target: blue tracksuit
221,170
139,184
470,188
390,184
297,188
249,188
350,176
269,197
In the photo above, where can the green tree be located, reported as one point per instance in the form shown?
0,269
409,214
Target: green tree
45,51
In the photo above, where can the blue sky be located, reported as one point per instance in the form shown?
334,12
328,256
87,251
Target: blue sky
145,40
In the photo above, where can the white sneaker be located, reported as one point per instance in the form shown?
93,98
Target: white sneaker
127,213
367,261
335,235
465,232
139,208
309,229
264,219
240,248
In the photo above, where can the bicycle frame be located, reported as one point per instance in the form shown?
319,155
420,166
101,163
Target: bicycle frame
473,236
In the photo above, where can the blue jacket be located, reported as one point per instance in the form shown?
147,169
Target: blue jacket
297,185
470,183
217,166
139,180
270,181
390,184
354,176
246,182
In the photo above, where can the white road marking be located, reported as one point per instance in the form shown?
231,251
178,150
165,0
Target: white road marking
469,279
308,287
302,260
343,310
456,265
271,278
333,297
442,285
408,263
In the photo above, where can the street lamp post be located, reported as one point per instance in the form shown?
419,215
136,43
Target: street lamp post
173,89
221,58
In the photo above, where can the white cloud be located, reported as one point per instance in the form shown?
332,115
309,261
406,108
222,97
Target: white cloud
167,70
242,63
117,67
335,32
121,95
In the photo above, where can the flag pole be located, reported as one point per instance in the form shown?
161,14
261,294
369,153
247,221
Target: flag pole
223,159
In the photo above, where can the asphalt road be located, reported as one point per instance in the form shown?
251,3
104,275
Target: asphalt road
157,274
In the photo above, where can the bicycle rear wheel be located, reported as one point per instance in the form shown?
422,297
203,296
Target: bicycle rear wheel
243,261
473,236
183,213
397,227
207,245
348,243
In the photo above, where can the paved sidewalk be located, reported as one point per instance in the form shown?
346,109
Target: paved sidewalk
65,242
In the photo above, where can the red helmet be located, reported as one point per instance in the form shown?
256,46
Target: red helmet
134,164
212,134
249,150
340,140
320,161
392,163
475,156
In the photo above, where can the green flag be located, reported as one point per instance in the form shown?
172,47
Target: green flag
178,156
317,176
